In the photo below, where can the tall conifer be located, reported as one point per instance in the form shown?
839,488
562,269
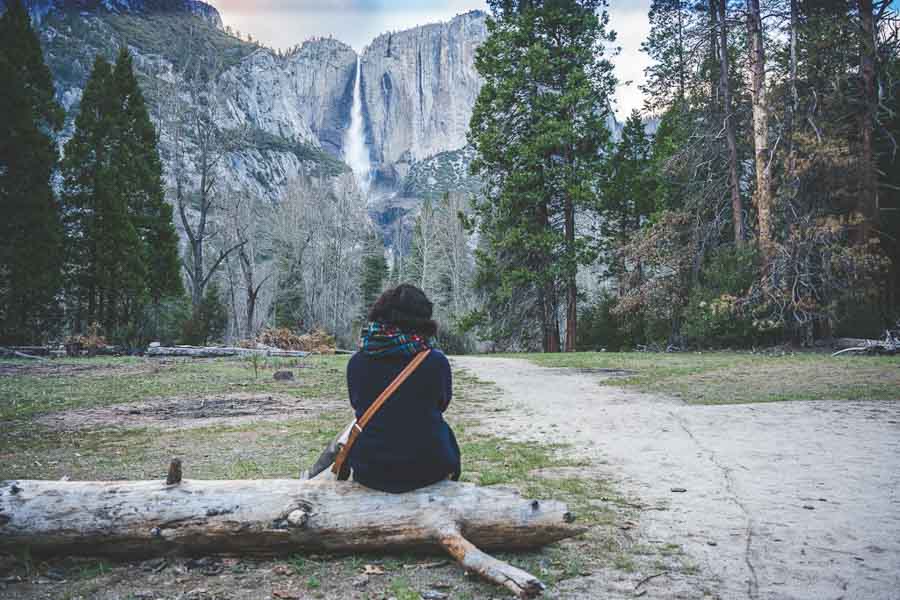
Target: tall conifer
138,159
123,249
628,196
539,129
30,230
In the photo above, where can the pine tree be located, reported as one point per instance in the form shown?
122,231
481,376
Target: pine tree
668,77
137,158
628,196
30,230
123,249
539,129
98,226
375,273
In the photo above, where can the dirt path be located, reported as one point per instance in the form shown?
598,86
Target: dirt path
782,500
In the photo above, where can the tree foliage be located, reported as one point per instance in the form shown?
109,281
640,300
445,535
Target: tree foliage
122,247
30,231
823,95
540,135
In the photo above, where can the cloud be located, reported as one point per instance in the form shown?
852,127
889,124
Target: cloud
632,27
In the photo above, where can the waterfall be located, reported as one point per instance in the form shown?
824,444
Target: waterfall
356,154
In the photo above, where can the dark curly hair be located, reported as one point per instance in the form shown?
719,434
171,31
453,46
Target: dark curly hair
407,308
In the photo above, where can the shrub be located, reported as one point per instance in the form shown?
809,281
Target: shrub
89,342
208,321
318,341
715,314
454,341
600,329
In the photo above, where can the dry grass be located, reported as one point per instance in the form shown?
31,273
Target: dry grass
735,377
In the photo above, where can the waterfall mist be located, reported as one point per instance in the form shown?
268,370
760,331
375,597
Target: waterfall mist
356,154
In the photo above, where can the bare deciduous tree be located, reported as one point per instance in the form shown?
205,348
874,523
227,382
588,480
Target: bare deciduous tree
319,231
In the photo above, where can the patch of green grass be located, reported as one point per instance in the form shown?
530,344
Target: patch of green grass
79,383
301,565
491,460
92,570
250,451
738,377
401,589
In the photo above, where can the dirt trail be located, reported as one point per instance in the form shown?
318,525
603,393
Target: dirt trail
783,500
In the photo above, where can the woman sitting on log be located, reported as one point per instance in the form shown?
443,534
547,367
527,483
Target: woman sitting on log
407,444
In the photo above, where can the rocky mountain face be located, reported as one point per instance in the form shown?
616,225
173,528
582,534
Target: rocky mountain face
417,89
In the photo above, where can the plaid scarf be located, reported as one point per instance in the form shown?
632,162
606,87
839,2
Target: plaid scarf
380,340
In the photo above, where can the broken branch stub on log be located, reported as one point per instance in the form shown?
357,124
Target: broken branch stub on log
139,519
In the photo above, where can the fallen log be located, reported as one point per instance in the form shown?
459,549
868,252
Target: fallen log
32,350
889,345
140,519
220,351
14,353
843,343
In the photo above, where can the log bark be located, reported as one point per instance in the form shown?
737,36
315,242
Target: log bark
216,351
842,343
13,353
139,519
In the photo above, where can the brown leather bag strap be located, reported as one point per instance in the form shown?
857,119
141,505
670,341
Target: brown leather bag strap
360,423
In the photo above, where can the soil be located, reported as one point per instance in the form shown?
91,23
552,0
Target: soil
54,368
783,500
187,413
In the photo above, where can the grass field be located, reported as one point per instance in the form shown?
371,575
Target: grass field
738,377
125,418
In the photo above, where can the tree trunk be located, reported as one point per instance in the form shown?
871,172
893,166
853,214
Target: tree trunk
867,202
793,104
197,275
571,284
737,206
681,62
276,517
547,296
764,202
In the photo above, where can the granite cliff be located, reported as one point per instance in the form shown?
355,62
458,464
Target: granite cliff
417,88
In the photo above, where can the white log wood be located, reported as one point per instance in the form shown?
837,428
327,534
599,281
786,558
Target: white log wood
137,519
219,351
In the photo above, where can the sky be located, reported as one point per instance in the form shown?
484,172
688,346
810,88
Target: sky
284,23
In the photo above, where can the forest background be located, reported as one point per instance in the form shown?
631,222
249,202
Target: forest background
753,201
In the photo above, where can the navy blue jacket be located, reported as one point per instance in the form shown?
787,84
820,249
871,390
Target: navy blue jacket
407,444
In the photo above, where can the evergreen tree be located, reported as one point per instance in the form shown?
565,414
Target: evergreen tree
30,231
668,77
539,129
208,320
138,158
123,247
375,273
104,252
628,195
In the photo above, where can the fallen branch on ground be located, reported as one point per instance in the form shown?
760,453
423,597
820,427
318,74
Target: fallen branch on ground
11,352
889,345
138,519
218,351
